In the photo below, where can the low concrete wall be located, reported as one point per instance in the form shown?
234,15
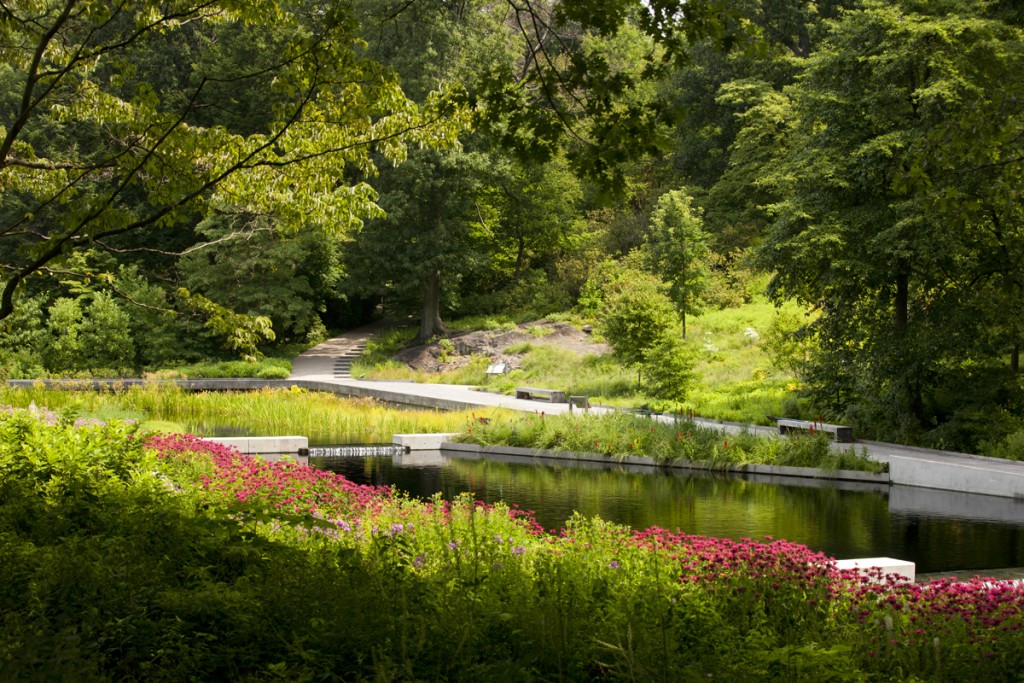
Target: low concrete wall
916,500
420,442
264,445
643,461
887,565
988,478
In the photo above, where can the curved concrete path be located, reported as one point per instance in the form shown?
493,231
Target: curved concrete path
325,367
333,358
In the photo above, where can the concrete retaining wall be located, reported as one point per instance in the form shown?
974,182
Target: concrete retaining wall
264,445
991,478
646,462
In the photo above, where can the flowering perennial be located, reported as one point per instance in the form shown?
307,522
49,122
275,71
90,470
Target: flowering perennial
288,486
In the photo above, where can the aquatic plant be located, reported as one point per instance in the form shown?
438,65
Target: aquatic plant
621,434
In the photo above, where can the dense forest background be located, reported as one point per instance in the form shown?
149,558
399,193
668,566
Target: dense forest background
184,180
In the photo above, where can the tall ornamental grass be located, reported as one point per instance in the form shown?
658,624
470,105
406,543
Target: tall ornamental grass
173,559
321,416
621,434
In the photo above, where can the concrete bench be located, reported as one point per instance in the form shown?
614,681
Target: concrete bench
840,433
580,402
550,395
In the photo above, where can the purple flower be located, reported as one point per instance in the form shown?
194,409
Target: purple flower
614,564
420,560
518,550
453,545
396,529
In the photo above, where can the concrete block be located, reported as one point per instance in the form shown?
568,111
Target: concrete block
253,445
421,442
888,565
418,459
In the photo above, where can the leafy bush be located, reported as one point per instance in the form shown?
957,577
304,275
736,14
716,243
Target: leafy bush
267,368
669,369
181,560
635,317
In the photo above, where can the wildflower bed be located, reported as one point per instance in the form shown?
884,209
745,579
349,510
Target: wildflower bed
171,558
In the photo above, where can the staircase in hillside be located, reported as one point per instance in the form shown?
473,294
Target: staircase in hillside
334,357
342,368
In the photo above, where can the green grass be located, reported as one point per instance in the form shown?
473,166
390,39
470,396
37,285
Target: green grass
268,368
736,379
622,434
324,418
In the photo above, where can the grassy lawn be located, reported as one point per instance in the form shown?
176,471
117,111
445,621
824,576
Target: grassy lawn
737,380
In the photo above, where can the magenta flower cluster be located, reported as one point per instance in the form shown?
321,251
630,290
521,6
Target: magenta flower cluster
288,486
712,559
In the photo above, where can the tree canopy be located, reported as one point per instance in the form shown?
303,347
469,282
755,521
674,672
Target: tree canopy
238,174
121,118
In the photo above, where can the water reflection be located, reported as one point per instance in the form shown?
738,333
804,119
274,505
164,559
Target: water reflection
842,520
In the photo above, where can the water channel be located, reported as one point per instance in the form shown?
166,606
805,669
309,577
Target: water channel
938,530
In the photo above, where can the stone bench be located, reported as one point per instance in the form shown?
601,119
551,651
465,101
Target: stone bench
840,433
550,395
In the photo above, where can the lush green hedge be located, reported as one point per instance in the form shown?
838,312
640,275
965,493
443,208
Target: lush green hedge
174,559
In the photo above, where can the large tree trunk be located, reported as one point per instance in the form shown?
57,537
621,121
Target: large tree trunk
915,398
902,301
430,314
520,252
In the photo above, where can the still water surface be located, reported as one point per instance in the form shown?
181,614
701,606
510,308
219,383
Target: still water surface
938,531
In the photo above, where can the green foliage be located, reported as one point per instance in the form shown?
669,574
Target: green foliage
786,340
898,233
324,418
677,249
669,369
22,336
266,368
244,333
251,269
635,316
620,434
87,336
127,123
1010,447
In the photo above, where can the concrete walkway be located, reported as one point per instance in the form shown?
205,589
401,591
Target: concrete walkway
333,358
325,368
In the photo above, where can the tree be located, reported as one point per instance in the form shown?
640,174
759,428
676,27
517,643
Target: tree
635,317
562,89
669,368
892,213
427,239
677,250
97,145
264,273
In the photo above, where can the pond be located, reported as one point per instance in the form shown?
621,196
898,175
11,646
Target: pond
939,531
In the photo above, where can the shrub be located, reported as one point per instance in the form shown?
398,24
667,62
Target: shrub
669,369
635,317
